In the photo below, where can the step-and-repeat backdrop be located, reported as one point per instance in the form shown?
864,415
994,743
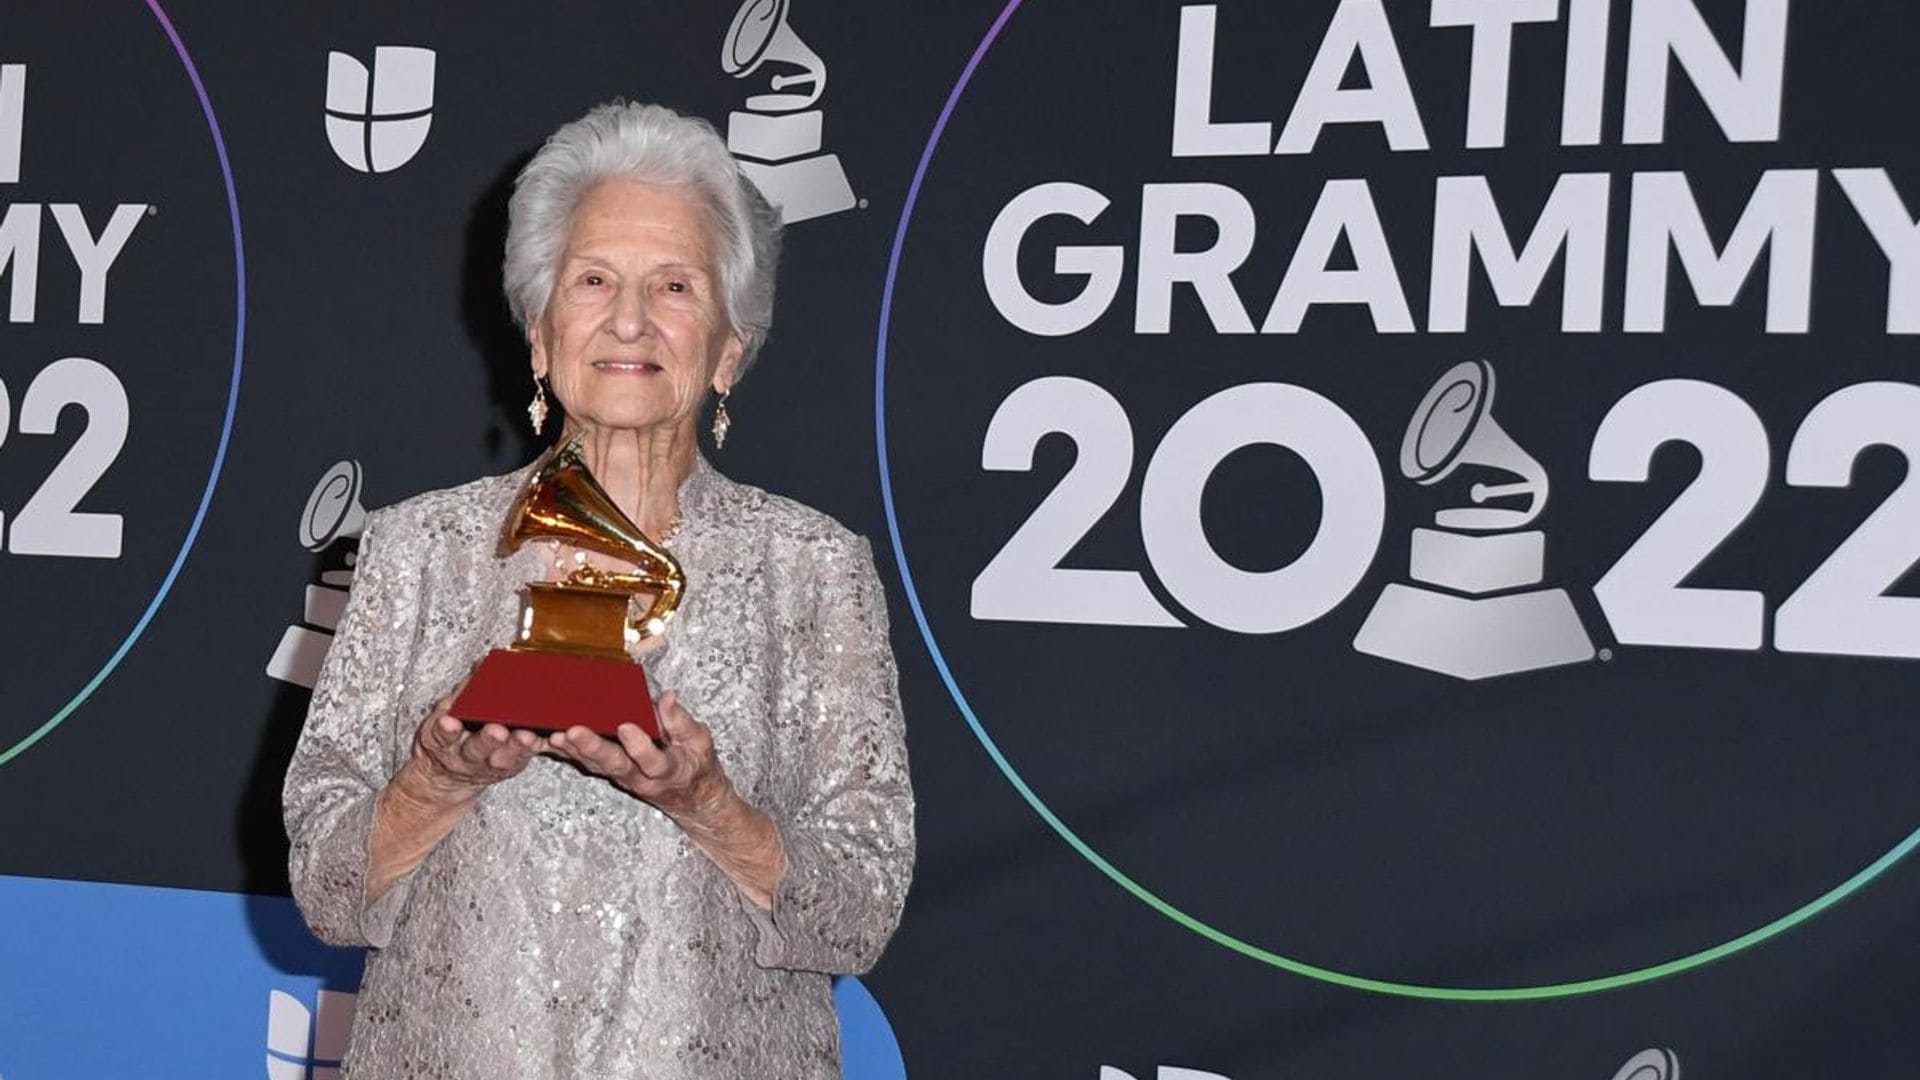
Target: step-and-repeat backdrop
1399,515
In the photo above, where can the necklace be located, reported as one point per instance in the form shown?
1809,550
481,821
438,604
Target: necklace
672,530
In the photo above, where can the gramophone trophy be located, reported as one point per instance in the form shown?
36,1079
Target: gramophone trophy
568,664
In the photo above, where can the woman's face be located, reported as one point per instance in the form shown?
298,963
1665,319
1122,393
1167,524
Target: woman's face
634,333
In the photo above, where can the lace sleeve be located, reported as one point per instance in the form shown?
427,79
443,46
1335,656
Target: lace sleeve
346,755
849,842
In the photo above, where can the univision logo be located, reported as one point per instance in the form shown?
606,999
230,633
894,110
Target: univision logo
378,120
307,1043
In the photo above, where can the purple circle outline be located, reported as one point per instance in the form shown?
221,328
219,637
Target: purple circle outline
226,426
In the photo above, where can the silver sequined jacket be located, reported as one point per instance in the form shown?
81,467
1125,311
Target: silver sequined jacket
565,928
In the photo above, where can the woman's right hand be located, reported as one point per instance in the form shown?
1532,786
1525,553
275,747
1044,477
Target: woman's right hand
449,765
447,769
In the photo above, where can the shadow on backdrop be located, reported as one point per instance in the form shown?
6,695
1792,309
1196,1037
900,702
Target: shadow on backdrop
489,323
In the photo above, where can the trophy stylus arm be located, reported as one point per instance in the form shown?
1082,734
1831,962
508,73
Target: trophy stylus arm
666,585
616,581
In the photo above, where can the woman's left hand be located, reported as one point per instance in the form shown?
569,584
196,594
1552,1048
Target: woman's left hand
683,778
680,774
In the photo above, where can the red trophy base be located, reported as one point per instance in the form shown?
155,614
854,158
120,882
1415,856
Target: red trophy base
552,691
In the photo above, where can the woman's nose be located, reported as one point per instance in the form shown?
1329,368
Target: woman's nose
630,316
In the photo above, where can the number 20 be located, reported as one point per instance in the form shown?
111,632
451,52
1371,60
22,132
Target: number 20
1025,582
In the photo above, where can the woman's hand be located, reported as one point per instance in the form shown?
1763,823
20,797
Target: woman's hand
682,777
447,769
679,775
450,765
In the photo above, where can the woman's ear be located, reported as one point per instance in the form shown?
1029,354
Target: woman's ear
725,375
537,351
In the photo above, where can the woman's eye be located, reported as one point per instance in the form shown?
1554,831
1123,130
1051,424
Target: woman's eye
678,287
595,280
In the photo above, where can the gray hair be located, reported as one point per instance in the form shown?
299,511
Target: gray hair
655,145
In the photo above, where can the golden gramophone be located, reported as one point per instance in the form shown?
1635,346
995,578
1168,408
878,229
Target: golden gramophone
568,664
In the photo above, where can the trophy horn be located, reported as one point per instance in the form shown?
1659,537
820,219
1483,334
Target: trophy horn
562,501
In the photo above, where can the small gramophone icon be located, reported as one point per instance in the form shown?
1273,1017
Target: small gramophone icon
1484,618
777,140
333,512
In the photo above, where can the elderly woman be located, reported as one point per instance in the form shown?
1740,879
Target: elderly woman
570,905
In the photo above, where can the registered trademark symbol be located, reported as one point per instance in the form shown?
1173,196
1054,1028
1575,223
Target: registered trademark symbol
1605,655
153,211
862,204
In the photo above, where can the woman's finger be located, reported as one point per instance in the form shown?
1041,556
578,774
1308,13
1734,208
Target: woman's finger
597,755
440,732
509,758
640,747
681,732
651,760
675,720
477,747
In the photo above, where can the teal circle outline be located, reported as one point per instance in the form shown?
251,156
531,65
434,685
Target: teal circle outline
1535,992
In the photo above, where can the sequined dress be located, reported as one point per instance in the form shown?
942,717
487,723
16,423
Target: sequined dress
565,928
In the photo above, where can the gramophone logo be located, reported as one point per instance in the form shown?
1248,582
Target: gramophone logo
1655,1064
303,1043
777,139
377,121
1645,1065
333,514
1474,610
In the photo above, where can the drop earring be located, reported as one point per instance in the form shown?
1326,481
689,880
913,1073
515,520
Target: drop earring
537,408
721,421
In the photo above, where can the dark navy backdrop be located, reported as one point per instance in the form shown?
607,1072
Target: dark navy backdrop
1193,813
